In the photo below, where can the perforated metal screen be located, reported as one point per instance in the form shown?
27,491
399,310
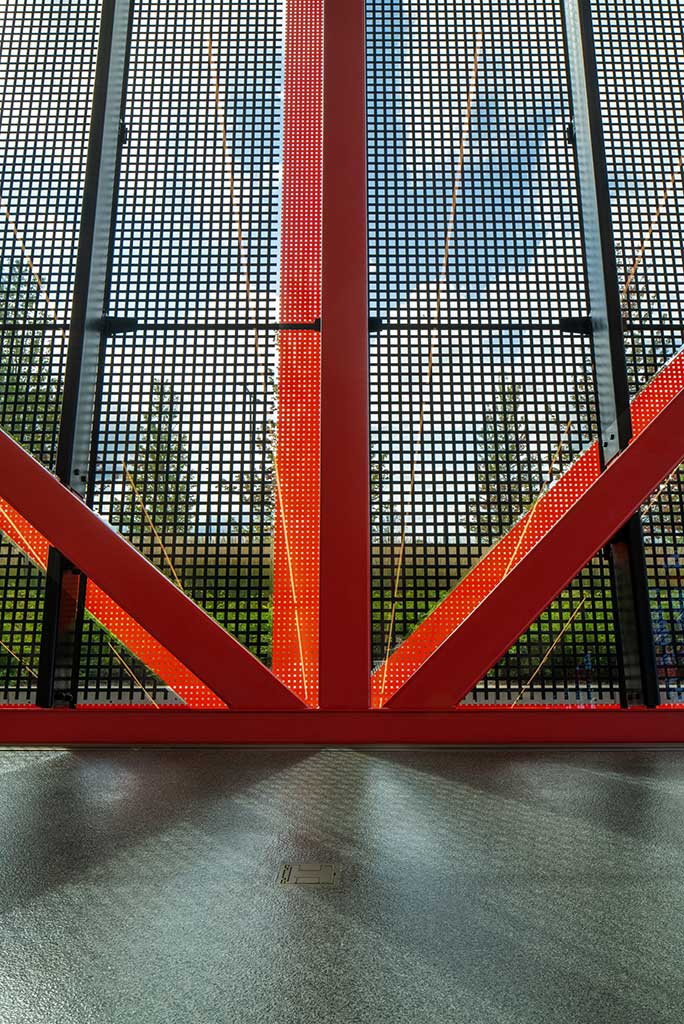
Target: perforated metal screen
205,255
186,426
22,605
47,64
192,428
639,55
207,417
475,254
663,519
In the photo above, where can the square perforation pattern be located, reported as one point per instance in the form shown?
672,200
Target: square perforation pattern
474,255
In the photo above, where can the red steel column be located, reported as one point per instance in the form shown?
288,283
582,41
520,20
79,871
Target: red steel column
297,505
345,584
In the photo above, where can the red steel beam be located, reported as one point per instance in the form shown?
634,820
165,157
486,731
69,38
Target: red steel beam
114,619
112,564
297,512
521,596
464,726
480,581
345,517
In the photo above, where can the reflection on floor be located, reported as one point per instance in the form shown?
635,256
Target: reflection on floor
483,886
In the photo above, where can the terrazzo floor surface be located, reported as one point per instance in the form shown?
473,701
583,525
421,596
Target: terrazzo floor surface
477,886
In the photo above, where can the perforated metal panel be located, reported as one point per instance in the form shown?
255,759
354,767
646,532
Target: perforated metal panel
297,520
110,674
187,418
568,656
188,443
475,254
47,63
639,49
207,416
663,519
20,623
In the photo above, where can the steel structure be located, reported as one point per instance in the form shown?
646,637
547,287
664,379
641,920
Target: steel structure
311,545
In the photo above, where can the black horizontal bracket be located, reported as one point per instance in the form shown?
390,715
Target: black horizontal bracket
109,325
576,325
315,325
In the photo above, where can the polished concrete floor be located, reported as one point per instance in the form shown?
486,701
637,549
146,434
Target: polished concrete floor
483,886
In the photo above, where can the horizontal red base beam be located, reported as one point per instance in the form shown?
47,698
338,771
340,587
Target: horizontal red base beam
465,726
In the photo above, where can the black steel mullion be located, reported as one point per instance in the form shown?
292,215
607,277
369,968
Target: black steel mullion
99,386
73,455
64,587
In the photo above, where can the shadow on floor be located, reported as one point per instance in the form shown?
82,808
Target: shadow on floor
480,885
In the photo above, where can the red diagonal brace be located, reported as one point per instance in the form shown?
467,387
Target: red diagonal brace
137,586
479,582
109,615
495,625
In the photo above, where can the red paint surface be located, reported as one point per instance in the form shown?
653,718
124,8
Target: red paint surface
518,599
147,597
345,517
114,619
488,573
463,726
299,365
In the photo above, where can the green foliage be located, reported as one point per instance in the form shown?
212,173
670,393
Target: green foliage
251,485
385,516
159,463
29,381
507,476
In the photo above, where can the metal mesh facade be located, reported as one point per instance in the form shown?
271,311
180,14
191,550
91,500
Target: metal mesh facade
207,419
186,410
186,424
475,254
110,674
47,64
23,587
642,89
663,519
568,656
